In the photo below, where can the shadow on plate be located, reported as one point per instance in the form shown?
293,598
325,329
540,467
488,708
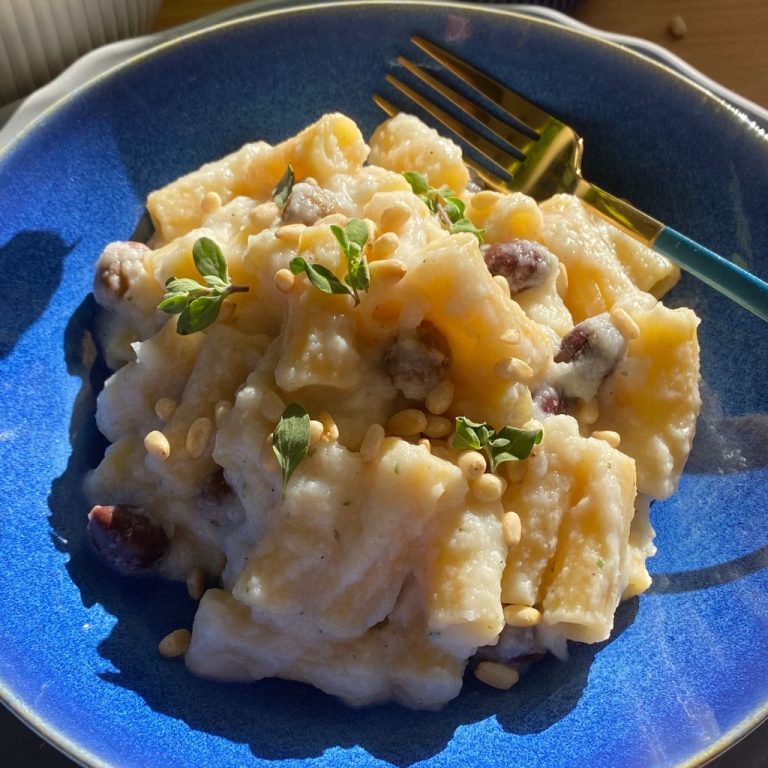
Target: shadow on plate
276,719
35,257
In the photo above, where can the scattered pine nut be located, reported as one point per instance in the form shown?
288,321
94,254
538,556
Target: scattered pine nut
488,487
512,528
195,582
609,436
485,199
157,445
472,464
264,215
521,616
496,675
628,328
394,216
514,369
410,421
210,203
437,426
330,429
371,445
678,27
175,644
384,246
390,271
440,397
284,280
271,406
561,282
587,411
424,443
165,407
290,233
316,431
198,435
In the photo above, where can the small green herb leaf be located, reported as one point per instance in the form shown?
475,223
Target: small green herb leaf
290,440
465,225
184,285
419,184
443,202
320,276
199,314
352,240
198,305
283,189
173,303
508,444
209,259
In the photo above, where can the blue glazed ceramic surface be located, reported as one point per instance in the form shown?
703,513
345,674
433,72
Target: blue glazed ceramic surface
685,670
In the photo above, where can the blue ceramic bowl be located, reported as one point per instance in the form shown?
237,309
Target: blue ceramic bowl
685,672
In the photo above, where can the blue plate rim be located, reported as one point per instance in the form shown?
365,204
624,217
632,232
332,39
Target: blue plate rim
665,61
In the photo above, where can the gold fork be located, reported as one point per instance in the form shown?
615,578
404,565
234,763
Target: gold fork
546,159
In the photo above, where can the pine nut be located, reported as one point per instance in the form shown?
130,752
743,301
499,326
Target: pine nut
264,215
394,216
330,430
290,233
472,464
175,644
587,411
521,616
514,369
488,487
440,397
410,421
371,445
384,246
390,271
678,27
197,436
195,582
609,436
424,443
284,280
512,528
316,430
437,426
271,406
210,203
496,675
165,408
157,445
628,328
485,199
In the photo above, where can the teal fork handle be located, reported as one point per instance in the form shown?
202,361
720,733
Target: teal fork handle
719,273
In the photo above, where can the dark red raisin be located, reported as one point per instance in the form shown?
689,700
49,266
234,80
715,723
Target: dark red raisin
127,539
524,263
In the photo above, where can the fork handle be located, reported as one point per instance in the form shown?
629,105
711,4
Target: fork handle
734,282
724,276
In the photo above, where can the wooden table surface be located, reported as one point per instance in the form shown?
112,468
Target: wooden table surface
725,39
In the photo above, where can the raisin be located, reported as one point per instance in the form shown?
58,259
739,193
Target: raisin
524,263
127,539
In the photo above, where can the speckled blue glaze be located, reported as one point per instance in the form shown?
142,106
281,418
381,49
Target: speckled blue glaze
687,665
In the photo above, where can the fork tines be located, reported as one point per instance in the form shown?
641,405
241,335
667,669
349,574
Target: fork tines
520,139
